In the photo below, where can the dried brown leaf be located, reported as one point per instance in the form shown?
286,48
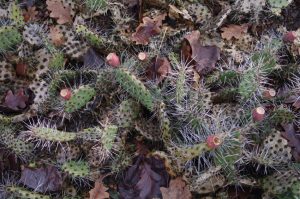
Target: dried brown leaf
42,179
234,31
147,29
177,190
99,191
158,69
59,11
204,58
293,140
16,101
30,14
56,36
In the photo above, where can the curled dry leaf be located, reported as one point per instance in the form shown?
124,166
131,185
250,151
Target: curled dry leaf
293,140
59,11
16,101
234,31
56,37
30,14
147,29
21,69
177,190
99,191
42,179
158,69
204,58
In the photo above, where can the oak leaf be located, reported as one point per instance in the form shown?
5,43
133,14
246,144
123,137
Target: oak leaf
234,31
149,28
177,190
203,58
99,191
56,37
42,179
30,14
16,101
158,69
59,11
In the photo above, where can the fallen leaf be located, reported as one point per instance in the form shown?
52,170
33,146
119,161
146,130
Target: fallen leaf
234,31
293,140
30,14
204,58
42,179
92,59
56,37
149,28
59,11
99,191
158,69
177,190
16,101
144,179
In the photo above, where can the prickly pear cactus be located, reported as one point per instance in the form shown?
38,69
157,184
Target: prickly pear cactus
76,169
127,113
277,5
79,99
135,88
90,36
96,5
20,192
9,37
16,15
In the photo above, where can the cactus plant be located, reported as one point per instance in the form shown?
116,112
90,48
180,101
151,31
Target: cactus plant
80,98
96,4
135,88
76,169
20,192
127,113
16,15
9,37
91,37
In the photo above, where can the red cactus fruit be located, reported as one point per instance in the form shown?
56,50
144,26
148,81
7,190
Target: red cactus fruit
289,37
258,114
142,56
213,141
113,60
269,93
66,93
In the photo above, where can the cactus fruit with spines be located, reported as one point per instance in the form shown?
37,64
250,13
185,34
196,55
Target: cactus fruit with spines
135,88
80,98
9,37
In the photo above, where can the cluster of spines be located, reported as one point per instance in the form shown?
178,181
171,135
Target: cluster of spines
9,37
96,5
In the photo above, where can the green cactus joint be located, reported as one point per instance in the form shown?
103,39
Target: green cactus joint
127,113
188,153
248,85
91,37
20,192
57,62
135,88
164,124
76,169
90,134
9,37
16,15
80,98
53,135
96,5
277,5
108,137
281,116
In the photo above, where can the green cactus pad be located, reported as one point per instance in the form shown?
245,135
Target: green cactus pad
91,37
127,113
96,4
108,137
80,98
90,134
135,88
50,134
16,15
76,169
9,37
22,193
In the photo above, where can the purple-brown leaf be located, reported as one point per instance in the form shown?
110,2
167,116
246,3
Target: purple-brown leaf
16,101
